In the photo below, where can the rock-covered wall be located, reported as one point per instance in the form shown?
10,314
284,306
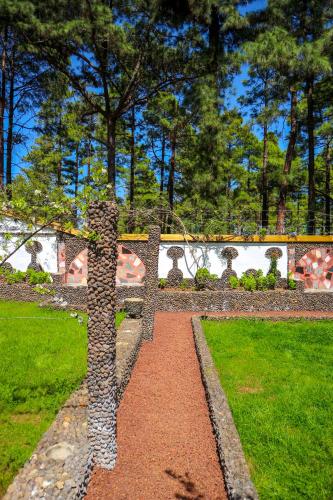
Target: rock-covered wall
101,379
234,300
75,296
308,262
151,283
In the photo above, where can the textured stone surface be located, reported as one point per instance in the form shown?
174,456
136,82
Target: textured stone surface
235,470
151,282
234,300
34,248
175,275
228,253
76,296
221,300
133,307
61,465
102,301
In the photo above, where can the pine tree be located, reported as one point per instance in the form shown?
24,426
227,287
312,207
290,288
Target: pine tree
122,58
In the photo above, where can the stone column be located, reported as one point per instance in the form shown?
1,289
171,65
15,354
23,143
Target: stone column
102,382
151,282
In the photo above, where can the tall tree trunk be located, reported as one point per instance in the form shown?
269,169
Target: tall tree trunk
76,182
2,107
216,47
214,37
228,198
162,170
171,180
111,155
264,207
89,166
311,158
131,218
59,172
76,173
89,162
281,215
9,155
248,180
328,159
59,166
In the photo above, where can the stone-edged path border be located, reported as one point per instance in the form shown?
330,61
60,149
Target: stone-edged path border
166,446
60,467
236,473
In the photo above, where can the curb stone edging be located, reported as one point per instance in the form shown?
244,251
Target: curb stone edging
230,452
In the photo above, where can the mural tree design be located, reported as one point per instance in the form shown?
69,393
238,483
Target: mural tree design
175,275
33,248
274,254
229,254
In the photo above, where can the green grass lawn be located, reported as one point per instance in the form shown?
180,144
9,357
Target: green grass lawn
278,380
42,360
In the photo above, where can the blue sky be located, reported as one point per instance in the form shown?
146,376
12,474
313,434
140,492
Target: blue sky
233,93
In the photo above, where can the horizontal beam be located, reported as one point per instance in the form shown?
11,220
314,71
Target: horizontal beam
229,238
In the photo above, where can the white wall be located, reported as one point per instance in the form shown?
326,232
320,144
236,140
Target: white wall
250,256
47,258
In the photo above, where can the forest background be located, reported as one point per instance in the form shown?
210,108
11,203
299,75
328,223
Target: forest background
215,116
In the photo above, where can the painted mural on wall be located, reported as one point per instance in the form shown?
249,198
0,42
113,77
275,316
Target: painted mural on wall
223,259
130,269
315,268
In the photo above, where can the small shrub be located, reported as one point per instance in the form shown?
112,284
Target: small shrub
292,285
15,277
204,279
31,276
38,277
249,282
42,290
262,282
271,279
273,267
233,282
184,285
262,233
162,283
93,236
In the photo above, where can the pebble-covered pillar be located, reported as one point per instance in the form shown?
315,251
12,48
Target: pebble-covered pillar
151,282
102,382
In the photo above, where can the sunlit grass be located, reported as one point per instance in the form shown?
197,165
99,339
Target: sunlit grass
278,380
42,360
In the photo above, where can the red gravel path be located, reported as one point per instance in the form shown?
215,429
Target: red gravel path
166,448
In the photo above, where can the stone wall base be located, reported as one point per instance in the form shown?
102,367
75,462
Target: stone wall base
210,301
76,296
231,300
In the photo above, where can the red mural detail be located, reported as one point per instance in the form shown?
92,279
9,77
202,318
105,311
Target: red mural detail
315,268
62,258
78,270
130,269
